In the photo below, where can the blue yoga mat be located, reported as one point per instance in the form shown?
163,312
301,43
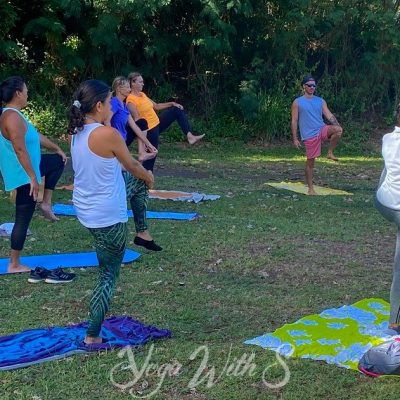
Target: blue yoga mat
45,344
66,260
68,209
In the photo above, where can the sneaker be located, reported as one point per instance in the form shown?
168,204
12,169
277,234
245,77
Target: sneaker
38,274
59,276
148,244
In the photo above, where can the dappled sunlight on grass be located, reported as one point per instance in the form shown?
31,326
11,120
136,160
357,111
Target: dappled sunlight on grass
300,158
199,161
250,154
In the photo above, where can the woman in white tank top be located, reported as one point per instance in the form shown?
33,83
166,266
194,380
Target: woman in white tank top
387,201
99,190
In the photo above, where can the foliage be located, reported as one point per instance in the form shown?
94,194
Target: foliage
49,117
240,57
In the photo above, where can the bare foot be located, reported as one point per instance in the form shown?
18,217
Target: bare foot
144,235
312,192
192,139
146,156
15,269
330,156
92,339
48,212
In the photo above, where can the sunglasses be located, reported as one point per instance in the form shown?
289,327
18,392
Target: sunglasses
312,85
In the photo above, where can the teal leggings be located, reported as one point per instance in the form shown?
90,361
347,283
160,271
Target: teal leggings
138,195
110,245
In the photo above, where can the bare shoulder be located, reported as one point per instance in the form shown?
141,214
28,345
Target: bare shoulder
103,140
12,123
11,117
105,133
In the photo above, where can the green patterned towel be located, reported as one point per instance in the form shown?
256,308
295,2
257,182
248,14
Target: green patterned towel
338,335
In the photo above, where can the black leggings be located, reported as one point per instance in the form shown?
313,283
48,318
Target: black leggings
169,116
131,136
51,167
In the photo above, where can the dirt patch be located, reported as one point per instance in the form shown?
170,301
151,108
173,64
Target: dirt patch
182,172
302,261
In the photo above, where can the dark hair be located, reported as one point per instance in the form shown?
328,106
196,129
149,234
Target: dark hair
306,79
89,93
8,88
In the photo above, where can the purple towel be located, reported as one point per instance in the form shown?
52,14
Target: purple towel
44,344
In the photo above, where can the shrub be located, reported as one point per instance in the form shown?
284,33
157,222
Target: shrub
49,117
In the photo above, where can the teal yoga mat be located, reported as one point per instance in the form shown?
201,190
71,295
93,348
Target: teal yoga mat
68,209
65,260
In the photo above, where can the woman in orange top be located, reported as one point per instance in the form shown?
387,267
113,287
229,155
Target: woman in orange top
142,107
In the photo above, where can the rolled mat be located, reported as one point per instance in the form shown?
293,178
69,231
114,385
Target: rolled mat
38,345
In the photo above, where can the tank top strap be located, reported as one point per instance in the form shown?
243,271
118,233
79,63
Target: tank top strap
28,123
15,109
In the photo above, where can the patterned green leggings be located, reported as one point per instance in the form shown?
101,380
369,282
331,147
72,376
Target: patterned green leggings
110,245
138,194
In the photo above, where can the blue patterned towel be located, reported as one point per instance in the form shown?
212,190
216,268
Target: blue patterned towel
45,344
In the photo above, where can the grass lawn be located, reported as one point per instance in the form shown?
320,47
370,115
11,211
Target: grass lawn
257,258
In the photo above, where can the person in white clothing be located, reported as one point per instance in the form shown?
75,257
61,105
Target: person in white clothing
387,201
99,197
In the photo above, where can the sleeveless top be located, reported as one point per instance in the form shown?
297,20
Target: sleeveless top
388,193
14,174
310,116
145,109
99,193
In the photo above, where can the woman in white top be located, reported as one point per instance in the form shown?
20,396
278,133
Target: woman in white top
99,189
387,202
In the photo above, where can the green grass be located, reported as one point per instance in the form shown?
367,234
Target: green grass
257,258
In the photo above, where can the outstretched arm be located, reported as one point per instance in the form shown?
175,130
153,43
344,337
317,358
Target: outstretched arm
141,136
163,106
295,119
133,110
328,115
112,141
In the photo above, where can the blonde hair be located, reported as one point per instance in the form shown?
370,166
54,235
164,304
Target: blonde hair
119,81
133,75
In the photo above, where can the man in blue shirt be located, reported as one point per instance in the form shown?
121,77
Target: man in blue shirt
307,112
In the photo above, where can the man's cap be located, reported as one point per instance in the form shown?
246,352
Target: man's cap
306,79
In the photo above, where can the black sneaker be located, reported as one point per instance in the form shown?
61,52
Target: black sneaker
38,274
59,276
148,244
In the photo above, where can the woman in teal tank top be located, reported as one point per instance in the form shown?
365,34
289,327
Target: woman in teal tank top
22,166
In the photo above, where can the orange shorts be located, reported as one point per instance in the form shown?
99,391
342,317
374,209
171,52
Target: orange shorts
313,145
